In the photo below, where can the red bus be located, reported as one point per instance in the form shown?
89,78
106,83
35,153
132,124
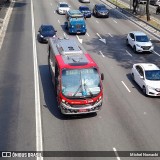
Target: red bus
76,77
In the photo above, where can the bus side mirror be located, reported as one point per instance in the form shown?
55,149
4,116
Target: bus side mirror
102,76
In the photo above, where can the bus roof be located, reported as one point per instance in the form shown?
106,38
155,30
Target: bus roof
69,53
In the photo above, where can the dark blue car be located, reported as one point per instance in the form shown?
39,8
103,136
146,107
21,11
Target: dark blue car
100,10
86,11
46,31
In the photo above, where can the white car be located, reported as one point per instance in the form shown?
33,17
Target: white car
63,7
139,41
147,76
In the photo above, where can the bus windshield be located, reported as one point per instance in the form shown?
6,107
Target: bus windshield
80,82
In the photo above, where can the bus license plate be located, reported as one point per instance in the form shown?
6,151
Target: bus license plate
82,110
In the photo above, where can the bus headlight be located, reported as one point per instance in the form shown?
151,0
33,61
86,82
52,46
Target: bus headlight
99,98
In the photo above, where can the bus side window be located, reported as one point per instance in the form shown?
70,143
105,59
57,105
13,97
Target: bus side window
56,73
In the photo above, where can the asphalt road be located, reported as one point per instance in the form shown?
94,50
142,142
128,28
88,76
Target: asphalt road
127,121
17,111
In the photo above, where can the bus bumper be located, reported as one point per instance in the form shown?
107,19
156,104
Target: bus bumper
66,109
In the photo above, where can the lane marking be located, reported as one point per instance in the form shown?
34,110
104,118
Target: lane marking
114,21
156,53
128,53
110,34
39,143
58,21
5,23
51,4
125,86
101,53
116,153
98,35
65,36
87,34
54,11
97,21
80,40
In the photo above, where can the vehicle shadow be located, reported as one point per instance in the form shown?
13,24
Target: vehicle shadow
63,26
136,86
50,96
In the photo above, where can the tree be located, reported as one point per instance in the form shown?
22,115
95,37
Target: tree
135,5
147,10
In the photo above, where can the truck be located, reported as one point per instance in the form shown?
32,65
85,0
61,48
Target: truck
76,77
75,23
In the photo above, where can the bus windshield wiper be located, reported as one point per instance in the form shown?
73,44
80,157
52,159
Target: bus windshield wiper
77,90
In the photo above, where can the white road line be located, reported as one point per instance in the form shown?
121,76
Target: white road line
102,54
39,143
58,21
97,21
156,53
5,23
115,151
110,34
51,4
98,35
87,34
54,11
128,53
125,86
114,21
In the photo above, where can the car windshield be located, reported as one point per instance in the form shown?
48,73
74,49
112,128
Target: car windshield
84,9
47,29
142,38
101,7
80,82
63,5
153,75
77,19
76,15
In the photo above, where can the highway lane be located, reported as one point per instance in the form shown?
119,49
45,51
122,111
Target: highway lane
122,121
17,109
128,120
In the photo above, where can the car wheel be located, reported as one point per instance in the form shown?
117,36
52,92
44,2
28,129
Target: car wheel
134,49
127,43
144,90
40,39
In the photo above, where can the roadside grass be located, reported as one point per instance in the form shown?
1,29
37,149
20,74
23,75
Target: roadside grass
152,22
